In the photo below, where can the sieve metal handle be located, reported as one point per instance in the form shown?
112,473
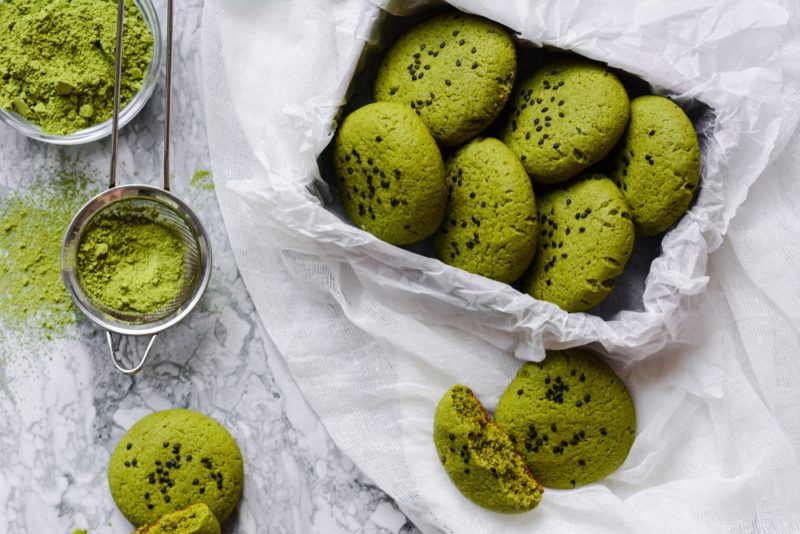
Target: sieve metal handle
116,362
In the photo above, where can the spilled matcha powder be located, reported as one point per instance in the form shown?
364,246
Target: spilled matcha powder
128,262
57,60
32,225
203,180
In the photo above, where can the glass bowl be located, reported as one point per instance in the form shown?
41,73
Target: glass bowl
103,129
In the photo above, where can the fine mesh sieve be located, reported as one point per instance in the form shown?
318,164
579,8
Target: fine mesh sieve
142,202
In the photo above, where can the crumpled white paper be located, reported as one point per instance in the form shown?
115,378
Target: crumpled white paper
375,334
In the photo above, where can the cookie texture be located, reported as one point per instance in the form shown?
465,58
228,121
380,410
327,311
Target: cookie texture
490,224
479,457
657,164
585,239
567,115
171,459
194,519
390,173
570,417
456,71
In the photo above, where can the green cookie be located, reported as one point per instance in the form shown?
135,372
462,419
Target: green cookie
566,116
490,224
172,459
194,519
657,164
571,418
455,70
585,239
479,457
390,173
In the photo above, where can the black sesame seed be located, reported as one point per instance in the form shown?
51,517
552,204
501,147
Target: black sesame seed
556,145
553,427
572,482
519,392
652,132
581,462
133,462
150,506
582,378
202,490
127,463
167,498
474,65
166,444
147,495
587,398
447,82
129,446
163,489
578,404
581,229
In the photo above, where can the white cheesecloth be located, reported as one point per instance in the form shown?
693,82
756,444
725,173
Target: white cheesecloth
374,334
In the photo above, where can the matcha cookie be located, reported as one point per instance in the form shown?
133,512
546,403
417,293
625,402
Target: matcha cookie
194,519
585,239
566,116
479,457
657,164
390,173
172,459
456,71
570,417
490,224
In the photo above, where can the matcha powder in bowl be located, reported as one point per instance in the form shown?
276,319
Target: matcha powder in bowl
57,65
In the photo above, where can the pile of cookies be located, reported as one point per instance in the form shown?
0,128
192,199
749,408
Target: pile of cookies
545,182
562,423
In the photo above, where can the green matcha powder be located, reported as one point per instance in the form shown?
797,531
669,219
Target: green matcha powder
32,226
57,60
130,263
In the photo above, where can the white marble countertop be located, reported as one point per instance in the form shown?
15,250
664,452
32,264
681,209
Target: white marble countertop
63,406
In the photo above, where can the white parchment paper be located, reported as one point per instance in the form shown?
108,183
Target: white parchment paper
374,334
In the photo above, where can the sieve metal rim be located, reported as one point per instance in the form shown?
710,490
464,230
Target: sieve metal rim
69,249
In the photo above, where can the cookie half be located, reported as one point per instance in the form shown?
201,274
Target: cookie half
194,519
479,457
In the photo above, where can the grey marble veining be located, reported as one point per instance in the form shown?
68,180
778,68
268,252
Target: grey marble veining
63,407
